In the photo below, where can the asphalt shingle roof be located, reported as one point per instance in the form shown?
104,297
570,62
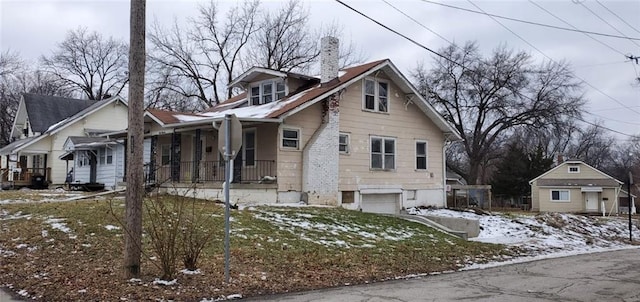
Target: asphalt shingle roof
46,110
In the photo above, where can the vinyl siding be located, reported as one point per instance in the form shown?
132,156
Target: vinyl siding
541,196
290,161
586,172
110,117
404,122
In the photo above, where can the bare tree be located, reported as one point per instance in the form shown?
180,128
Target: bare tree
229,39
10,63
87,63
133,210
593,145
200,61
284,41
18,77
488,98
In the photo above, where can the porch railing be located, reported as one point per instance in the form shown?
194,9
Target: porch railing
23,176
213,171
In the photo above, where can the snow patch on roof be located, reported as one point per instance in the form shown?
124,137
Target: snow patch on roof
256,111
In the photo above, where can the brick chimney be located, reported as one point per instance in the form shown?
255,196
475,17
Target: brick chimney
328,60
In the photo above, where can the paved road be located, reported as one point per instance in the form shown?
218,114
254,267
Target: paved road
609,276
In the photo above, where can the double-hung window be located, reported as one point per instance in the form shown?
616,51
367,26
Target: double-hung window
343,143
383,153
290,138
83,159
421,155
376,95
105,156
266,92
249,148
165,154
560,195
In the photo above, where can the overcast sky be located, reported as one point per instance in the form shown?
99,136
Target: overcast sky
33,28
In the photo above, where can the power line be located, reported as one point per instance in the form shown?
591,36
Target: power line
603,127
552,60
606,22
567,23
610,119
416,21
399,34
531,22
613,13
444,57
600,64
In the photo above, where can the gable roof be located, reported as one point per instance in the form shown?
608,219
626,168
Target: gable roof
574,162
255,71
58,126
297,101
45,110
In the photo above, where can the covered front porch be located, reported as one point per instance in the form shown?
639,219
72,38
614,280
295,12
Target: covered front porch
191,156
25,171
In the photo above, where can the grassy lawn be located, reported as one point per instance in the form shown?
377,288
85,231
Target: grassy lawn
71,251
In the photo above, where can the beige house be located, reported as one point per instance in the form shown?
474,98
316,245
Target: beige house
360,137
574,186
42,126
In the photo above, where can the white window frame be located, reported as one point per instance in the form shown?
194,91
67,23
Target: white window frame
383,152
282,138
347,144
274,91
425,155
573,172
83,159
255,146
559,195
376,95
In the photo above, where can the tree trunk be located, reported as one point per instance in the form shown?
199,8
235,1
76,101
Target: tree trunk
133,211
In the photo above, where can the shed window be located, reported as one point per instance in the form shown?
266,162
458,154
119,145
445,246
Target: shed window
560,195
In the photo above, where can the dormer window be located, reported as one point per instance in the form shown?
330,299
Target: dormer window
267,91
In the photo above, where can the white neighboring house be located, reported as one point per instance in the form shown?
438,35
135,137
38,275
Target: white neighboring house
94,160
41,128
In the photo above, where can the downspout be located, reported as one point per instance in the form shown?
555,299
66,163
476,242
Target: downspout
446,144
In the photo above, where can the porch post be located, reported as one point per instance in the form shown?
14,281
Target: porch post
197,156
46,176
175,156
152,159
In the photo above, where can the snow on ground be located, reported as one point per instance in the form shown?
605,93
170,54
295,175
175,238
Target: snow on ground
58,224
546,235
111,227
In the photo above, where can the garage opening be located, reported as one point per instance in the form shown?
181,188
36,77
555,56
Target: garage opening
385,203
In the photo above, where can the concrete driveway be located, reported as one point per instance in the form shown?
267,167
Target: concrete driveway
607,276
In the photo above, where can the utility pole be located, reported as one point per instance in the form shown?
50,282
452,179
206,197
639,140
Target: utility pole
629,182
133,202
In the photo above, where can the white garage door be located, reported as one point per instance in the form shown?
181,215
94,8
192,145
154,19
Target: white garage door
380,203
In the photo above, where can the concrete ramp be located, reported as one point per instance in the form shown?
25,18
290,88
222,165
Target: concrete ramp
459,227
